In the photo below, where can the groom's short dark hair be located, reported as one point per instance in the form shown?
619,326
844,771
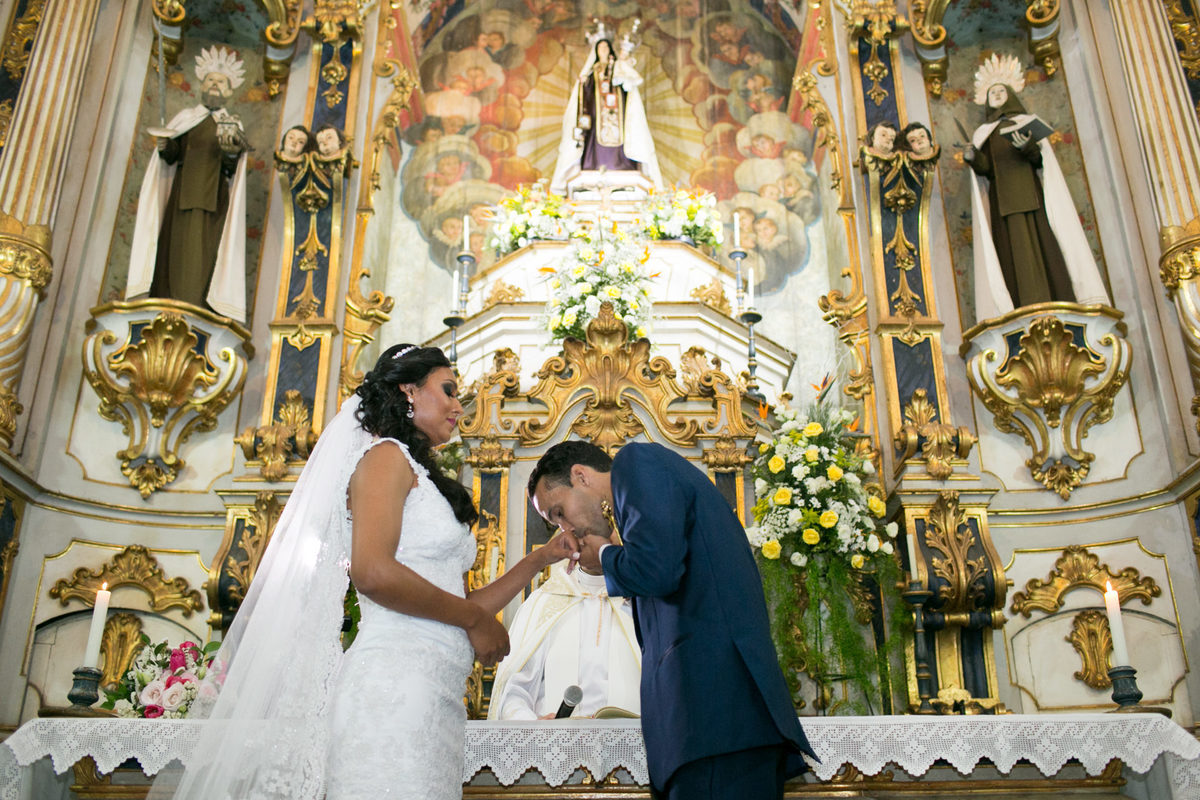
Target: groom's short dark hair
555,464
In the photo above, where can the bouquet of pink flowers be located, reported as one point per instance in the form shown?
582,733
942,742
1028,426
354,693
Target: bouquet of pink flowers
166,682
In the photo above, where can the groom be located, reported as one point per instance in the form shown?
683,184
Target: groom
717,717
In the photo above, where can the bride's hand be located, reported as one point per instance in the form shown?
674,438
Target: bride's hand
563,545
488,637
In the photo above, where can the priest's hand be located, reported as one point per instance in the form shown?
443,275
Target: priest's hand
589,552
488,638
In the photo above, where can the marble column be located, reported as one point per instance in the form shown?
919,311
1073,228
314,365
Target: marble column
31,175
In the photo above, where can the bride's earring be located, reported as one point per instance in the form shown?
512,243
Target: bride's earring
409,413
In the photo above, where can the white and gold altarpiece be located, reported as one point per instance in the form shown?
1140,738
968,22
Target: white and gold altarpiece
1030,457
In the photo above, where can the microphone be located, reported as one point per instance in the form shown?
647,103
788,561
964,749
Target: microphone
571,697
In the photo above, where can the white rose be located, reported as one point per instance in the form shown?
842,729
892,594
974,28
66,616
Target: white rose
799,472
869,467
799,559
794,517
873,543
760,486
152,695
592,305
891,529
173,696
886,547
124,708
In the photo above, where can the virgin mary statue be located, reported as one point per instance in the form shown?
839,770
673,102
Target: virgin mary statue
604,124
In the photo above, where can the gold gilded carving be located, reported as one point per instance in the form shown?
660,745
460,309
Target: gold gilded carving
1186,30
25,252
876,22
490,543
953,700
257,532
403,84
1079,567
1180,261
713,295
1051,391
6,115
280,33
135,567
490,455
19,42
726,456
610,374
1092,639
805,86
120,642
170,14
161,388
497,385
291,437
940,443
502,292
693,365
1041,18
930,38
947,532
334,21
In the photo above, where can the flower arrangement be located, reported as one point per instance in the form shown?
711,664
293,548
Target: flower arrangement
532,213
166,682
602,266
681,213
826,559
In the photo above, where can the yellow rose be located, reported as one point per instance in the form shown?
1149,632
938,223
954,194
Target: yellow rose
876,506
811,455
810,536
812,429
764,447
856,560
834,473
828,519
783,496
771,549
776,464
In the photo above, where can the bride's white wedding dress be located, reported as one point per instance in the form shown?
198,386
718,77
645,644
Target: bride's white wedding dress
398,721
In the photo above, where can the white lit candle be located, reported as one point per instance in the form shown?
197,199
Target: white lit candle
454,292
1112,604
911,541
91,654
750,287
466,231
737,232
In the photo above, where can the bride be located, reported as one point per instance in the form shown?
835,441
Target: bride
295,718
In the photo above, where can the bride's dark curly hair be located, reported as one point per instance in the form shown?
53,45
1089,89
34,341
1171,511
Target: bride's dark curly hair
384,412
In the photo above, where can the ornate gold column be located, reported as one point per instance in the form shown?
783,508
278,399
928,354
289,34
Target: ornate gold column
1169,134
31,173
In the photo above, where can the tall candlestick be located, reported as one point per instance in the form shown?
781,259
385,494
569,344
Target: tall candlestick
750,287
1112,604
911,541
91,653
466,231
737,232
454,292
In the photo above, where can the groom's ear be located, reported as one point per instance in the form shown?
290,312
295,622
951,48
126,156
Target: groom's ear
579,475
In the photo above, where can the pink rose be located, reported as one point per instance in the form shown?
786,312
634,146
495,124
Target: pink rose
152,694
174,696
152,712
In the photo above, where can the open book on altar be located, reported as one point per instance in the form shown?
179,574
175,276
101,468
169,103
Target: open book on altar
613,712
1026,125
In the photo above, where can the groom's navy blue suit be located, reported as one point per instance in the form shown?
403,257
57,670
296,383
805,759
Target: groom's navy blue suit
711,683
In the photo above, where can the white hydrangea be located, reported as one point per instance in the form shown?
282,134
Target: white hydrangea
800,472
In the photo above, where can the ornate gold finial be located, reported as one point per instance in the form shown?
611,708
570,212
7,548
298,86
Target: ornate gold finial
160,379
120,642
940,443
133,566
1079,567
1060,379
291,437
1092,639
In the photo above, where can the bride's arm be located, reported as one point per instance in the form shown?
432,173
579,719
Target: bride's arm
496,594
378,489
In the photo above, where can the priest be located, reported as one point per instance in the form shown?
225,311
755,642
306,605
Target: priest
569,632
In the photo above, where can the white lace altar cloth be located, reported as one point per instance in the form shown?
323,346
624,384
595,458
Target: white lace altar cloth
556,749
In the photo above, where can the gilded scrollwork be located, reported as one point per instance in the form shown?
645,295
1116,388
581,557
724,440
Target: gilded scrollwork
940,443
1092,640
947,533
875,21
132,567
501,292
726,455
1041,19
713,295
609,374
824,128
1079,567
248,530
120,642
490,454
160,384
14,58
335,21
1185,28
929,35
1056,382
290,438
280,33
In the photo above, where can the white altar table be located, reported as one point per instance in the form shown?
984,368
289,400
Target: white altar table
1145,743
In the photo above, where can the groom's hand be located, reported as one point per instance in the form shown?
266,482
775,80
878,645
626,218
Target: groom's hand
488,637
